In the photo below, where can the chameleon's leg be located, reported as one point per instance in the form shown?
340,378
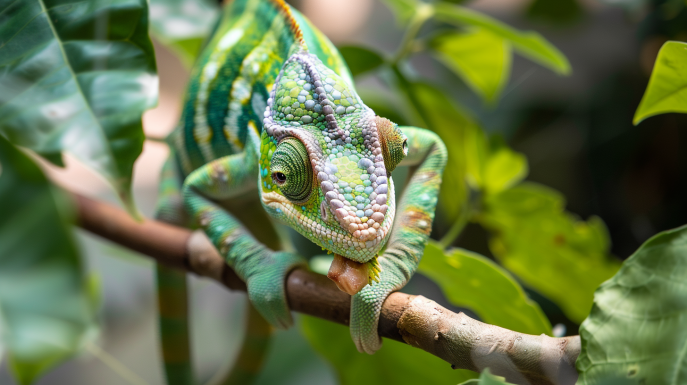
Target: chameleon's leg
263,270
172,289
415,214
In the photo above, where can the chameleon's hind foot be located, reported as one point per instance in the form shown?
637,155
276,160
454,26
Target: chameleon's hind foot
267,287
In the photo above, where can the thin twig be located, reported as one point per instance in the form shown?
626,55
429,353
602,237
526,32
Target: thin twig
114,364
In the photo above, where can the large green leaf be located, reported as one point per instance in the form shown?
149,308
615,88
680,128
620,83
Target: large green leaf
636,329
486,378
76,77
549,249
667,89
395,363
183,25
360,59
481,58
45,309
529,44
473,281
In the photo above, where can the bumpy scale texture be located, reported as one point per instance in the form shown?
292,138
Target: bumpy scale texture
353,209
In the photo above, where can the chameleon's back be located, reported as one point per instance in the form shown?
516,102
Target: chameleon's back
231,80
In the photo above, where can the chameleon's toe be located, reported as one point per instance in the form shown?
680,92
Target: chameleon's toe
267,288
366,307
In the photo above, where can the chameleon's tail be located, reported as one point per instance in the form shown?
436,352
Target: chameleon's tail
172,291
172,295
256,343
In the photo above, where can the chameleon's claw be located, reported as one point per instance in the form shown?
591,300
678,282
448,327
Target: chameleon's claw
267,288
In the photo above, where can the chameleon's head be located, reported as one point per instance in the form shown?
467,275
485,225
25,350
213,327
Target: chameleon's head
326,161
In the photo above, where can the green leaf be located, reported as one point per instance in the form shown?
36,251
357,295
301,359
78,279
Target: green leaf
481,58
667,89
473,281
636,330
360,59
552,251
183,25
486,378
45,309
491,165
529,44
395,363
77,77
403,9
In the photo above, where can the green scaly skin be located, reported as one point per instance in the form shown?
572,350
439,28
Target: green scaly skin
272,105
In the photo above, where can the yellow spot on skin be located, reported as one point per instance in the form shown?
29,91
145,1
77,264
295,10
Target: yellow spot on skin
454,263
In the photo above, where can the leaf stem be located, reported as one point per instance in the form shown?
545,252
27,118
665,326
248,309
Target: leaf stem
424,12
114,364
457,227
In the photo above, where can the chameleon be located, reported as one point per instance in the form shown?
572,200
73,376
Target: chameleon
271,115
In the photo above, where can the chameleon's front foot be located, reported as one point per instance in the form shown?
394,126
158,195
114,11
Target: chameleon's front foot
267,287
366,307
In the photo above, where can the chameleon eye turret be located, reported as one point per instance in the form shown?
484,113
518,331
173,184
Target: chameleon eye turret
291,170
394,143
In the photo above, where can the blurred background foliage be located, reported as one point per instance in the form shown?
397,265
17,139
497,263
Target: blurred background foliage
539,131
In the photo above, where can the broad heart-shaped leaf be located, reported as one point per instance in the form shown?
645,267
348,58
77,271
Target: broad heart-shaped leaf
360,59
183,25
636,330
667,89
553,252
395,363
45,309
473,281
76,77
481,58
529,44
486,378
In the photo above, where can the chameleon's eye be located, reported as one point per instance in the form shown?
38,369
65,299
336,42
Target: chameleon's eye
291,170
394,143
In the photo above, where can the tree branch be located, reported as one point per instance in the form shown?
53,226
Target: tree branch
456,338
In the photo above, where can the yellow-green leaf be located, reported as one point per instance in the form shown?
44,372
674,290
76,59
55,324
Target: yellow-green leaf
403,9
481,58
529,44
636,330
552,251
46,311
395,363
667,89
473,281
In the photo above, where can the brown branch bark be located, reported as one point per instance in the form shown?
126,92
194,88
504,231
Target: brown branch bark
456,338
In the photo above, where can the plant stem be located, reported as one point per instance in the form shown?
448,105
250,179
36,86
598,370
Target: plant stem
424,12
457,227
114,364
